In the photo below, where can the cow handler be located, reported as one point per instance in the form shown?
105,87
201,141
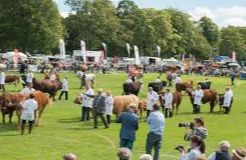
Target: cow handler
29,108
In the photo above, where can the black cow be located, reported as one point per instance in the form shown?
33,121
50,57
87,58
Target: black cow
157,86
131,88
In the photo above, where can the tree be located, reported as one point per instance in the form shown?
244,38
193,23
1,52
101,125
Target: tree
126,7
29,25
210,31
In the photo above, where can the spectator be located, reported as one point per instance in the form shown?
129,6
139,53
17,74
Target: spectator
146,157
109,106
227,100
156,122
69,156
169,78
168,101
152,99
222,153
29,107
239,154
124,154
178,80
233,77
99,108
64,89
129,125
197,149
2,81
198,129
87,103
197,96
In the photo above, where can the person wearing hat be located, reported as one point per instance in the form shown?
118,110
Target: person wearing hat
29,107
222,153
99,107
124,154
227,100
129,126
152,98
2,80
239,154
167,99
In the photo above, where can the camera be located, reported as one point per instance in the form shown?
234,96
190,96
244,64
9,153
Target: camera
179,148
186,125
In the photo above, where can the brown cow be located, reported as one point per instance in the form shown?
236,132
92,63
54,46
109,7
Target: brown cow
47,86
183,86
131,88
12,79
122,102
11,102
177,99
209,96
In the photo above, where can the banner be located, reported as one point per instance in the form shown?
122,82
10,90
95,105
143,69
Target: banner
83,51
128,49
62,48
158,51
137,58
105,50
234,56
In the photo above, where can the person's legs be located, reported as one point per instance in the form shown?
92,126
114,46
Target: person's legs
194,109
95,120
87,115
148,112
108,119
157,146
123,143
103,120
30,126
170,110
149,143
23,122
198,108
166,114
83,112
129,144
66,95
62,92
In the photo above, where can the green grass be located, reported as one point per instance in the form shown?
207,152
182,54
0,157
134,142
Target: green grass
61,131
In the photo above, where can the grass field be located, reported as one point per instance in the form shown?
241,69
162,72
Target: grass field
61,131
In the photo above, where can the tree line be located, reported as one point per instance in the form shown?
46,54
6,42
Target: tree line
36,26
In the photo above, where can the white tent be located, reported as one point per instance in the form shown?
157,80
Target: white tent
10,55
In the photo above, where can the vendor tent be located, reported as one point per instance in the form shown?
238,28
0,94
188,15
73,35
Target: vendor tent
10,55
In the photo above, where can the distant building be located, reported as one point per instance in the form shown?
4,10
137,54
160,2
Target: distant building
91,56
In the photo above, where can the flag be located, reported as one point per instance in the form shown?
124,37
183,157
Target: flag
105,49
62,48
128,49
83,50
234,56
158,51
136,52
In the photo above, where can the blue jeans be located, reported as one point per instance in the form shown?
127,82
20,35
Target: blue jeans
153,141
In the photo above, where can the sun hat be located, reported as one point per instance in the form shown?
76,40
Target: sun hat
240,153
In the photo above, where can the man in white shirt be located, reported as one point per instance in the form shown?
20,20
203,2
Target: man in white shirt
2,81
64,89
197,99
152,98
178,80
168,100
27,114
87,103
29,76
227,100
28,89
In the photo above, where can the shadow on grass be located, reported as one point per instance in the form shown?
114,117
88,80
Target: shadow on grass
70,120
8,127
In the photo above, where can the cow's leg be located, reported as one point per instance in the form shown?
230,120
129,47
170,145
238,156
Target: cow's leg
18,114
211,107
10,117
40,111
3,115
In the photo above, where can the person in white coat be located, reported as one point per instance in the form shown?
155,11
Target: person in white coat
29,107
152,99
28,89
168,100
88,97
2,81
64,89
178,80
29,76
227,100
109,106
197,99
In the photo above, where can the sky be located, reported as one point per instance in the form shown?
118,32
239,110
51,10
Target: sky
223,12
